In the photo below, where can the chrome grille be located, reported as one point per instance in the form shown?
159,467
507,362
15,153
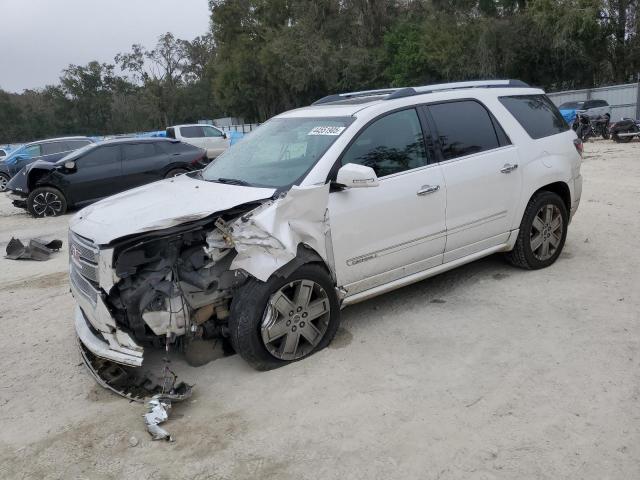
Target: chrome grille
83,267
82,285
83,256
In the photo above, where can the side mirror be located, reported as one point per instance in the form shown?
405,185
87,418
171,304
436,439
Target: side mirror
224,135
352,175
70,165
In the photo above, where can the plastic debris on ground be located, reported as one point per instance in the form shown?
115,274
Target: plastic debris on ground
37,249
158,410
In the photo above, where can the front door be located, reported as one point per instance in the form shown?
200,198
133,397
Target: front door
383,233
98,174
480,167
142,163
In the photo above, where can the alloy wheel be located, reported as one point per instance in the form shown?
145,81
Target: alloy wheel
47,204
3,183
546,232
295,320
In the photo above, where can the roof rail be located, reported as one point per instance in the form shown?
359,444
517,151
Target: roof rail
393,93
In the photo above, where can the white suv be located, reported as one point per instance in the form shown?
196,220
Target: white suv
322,207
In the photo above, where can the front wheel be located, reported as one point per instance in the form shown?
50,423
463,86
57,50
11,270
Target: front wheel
46,202
542,234
284,320
4,179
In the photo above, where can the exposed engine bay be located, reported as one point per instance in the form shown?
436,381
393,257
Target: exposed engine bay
173,287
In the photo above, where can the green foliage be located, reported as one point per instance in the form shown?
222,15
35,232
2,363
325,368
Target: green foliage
261,57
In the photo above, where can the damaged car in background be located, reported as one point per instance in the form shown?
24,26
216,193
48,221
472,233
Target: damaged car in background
322,207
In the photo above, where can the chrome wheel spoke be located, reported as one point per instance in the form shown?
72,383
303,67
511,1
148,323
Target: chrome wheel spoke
289,345
303,294
554,240
310,333
536,242
283,305
277,330
318,309
538,224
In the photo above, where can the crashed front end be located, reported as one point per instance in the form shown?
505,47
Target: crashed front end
166,288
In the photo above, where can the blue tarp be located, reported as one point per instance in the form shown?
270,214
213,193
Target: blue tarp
569,115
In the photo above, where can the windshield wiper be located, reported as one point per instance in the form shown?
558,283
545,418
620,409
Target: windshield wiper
233,181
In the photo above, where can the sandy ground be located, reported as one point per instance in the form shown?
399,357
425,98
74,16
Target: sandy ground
485,372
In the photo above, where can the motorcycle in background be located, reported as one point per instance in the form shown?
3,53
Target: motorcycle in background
587,127
624,130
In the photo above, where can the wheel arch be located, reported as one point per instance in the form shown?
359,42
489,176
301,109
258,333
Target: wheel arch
560,188
305,255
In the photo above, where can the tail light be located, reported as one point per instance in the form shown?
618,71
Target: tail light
579,146
200,161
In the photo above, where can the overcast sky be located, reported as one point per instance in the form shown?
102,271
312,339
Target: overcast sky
39,38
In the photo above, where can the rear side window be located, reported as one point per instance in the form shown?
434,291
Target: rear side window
537,115
392,144
191,132
464,128
53,147
75,144
33,151
138,150
100,156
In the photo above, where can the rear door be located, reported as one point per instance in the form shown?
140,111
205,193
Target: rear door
142,163
98,174
480,167
380,234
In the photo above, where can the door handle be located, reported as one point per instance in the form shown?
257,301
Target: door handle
427,189
508,168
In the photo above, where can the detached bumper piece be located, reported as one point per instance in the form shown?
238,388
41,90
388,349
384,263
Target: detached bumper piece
38,250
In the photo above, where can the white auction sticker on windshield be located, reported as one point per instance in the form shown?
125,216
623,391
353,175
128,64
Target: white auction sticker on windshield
332,131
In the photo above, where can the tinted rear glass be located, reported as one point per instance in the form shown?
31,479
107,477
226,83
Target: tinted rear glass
100,156
74,144
53,147
138,150
464,128
537,115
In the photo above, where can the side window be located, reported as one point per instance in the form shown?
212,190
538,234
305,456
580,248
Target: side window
100,156
75,144
463,128
32,151
392,144
53,147
138,150
191,132
537,115
211,132
171,132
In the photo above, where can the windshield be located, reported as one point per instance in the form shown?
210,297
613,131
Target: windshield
571,106
277,154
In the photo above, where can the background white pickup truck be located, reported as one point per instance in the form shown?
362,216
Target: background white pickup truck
208,137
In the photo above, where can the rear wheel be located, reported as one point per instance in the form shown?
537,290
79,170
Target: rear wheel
542,234
46,202
175,172
283,320
618,139
4,179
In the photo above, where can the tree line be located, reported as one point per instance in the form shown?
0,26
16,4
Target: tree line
261,57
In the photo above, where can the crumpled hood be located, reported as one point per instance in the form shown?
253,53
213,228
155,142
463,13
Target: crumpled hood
160,205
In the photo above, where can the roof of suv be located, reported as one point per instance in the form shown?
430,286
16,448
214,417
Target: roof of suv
58,139
348,104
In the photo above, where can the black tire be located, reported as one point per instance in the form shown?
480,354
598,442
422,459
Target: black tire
46,202
618,139
4,179
523,255
175,172
248,310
